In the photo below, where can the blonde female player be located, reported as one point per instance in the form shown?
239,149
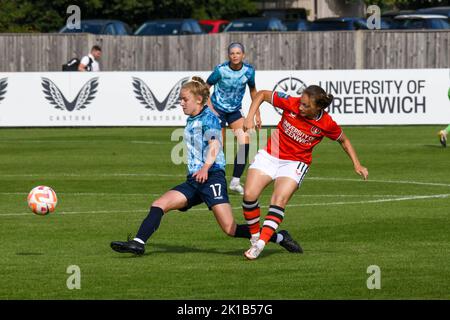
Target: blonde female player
205,180
230,80
287,157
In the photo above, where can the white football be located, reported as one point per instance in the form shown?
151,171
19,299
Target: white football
42,200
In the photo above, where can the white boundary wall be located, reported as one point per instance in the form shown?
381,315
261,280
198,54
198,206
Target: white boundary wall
362,97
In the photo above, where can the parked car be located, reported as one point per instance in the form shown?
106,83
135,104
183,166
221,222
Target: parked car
99,26
213,26
169,27
435,10
388,16
256,24
297,25
420,21
342,23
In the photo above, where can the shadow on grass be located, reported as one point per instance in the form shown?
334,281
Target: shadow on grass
159,248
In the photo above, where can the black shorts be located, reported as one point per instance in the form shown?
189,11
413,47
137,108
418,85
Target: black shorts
229,117
211,192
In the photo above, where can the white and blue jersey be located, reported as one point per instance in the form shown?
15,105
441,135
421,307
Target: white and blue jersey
229,86
198,131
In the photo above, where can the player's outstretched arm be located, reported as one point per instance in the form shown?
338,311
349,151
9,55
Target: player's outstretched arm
260,97
348,148
253,93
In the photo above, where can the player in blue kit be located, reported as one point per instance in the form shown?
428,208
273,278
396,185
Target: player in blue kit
205,180
230,80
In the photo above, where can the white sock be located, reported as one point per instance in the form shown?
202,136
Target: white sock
260,244
255,236
235,181
139,240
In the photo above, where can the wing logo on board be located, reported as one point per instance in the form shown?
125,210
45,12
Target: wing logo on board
57,98
289,86
146,97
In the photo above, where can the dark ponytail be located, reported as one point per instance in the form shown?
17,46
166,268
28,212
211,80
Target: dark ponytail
318,96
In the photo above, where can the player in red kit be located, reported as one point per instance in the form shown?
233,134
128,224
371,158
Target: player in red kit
287,157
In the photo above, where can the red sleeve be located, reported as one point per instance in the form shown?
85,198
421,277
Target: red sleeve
285,102
333,130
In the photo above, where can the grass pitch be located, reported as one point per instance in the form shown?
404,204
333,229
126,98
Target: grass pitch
106,178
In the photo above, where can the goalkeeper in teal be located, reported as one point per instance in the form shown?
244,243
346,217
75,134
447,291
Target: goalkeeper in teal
205,180
443,133
230,80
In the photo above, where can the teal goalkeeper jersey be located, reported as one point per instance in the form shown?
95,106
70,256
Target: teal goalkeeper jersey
229,86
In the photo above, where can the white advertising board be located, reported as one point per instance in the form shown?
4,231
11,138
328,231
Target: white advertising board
362,97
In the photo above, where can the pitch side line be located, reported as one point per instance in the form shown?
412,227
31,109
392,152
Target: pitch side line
357,202
237,195
93,175
385,181
183,175
237,208
92,194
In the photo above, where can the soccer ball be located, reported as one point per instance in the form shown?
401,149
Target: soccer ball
42,200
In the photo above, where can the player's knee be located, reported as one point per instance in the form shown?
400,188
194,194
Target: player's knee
250,195
160,204
279,200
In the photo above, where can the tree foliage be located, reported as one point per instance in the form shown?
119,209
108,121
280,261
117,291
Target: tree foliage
50,16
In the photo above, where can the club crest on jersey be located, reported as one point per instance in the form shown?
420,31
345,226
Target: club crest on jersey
315,130
289,87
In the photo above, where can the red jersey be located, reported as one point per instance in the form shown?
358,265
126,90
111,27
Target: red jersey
296,136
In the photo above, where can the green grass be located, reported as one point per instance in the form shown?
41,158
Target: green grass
106,178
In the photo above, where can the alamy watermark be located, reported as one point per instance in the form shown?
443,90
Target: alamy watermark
374,20
374,280
74,280
179,152
74,20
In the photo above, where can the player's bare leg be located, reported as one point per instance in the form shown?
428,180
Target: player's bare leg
284,188
224,216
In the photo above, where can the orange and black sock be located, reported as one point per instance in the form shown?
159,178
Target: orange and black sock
252,213
271,223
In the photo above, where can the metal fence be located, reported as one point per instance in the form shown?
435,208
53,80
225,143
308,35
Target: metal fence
378,49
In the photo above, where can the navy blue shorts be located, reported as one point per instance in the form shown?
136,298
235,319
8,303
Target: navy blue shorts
228,117
211,192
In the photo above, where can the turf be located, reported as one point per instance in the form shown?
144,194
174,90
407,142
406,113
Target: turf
106,178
